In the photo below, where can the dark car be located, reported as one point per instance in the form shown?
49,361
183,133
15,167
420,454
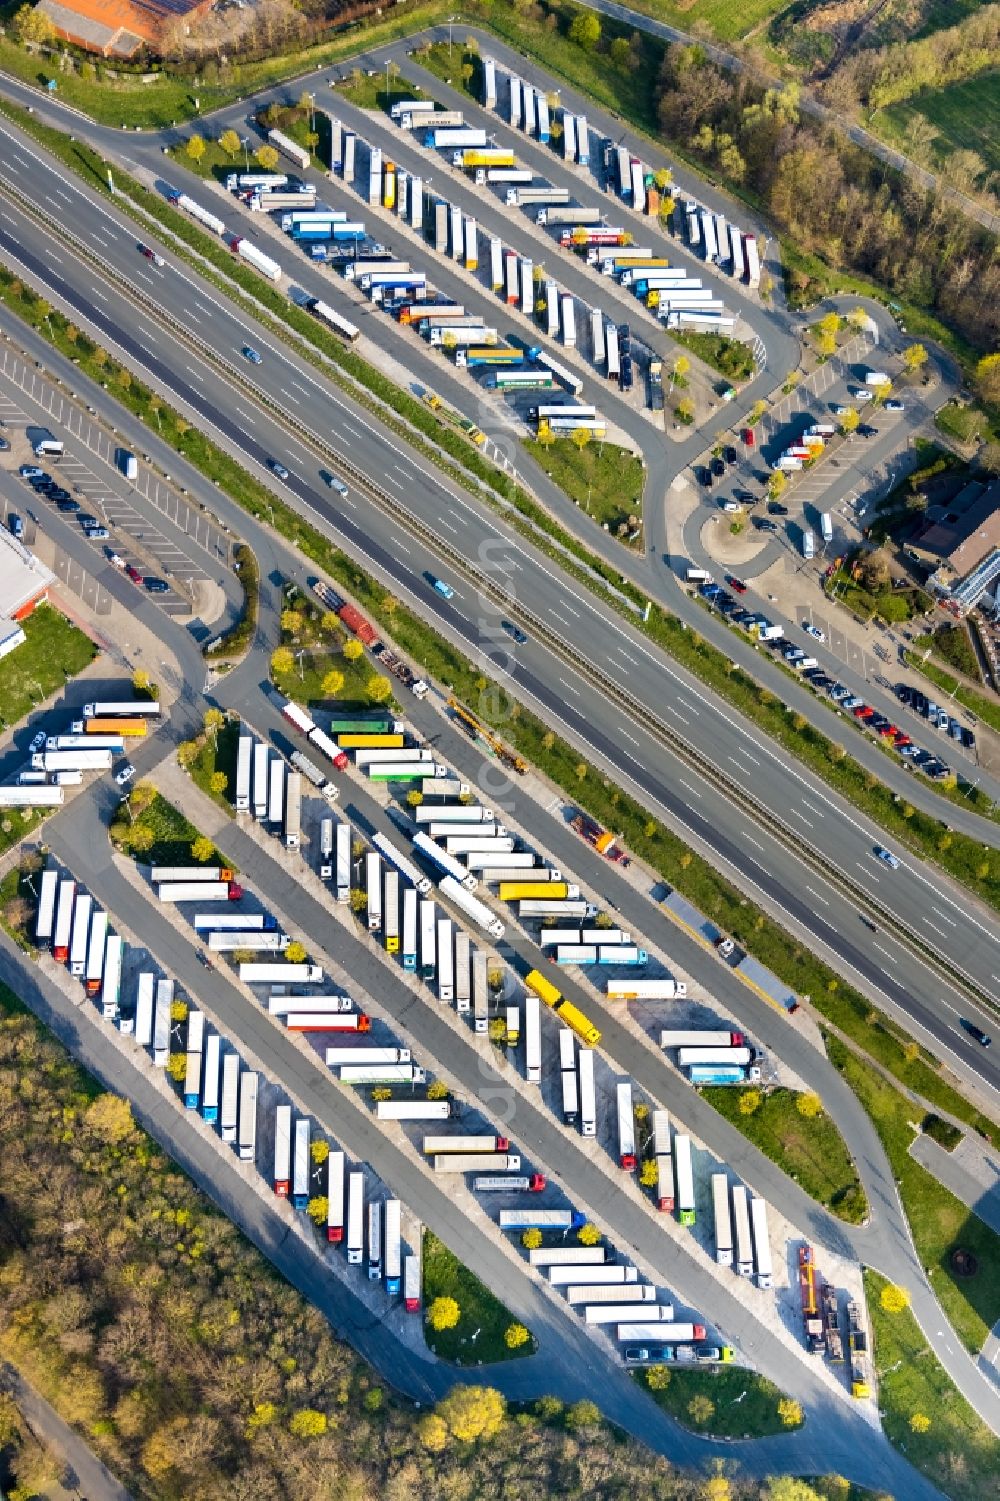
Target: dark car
157,586
761,524
718,465
86,519
904,693
775,508
69,505
514,632
865,430
704,474
983,1038
968,739
277,469
133,573
730,454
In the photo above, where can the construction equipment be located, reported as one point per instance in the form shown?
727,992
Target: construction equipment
478,731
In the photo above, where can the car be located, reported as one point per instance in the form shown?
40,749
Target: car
860,393
735,583
939,771
863,711
894,406
704,476
775,508
726,947
900,739
278,469
37,741
877,722
731,505
133,573
761,524
983,1038
30,471
849,700
335,483
748,437
514,632
204,959
955,731
115,559
157,586
887,731
838,693
813,631
929,710
125,775
904,693
865,430
968,739
443,588
151,255
729,454
97,533
69,505
942,719
16,527
643,1354
57,493
821,681
839,410
4,445
719,1353
249,353
86,519
906,749
718,465
886,856
921,757
919,701
41,482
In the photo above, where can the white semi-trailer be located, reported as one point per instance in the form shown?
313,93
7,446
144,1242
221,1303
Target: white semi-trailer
741,1222
723,1223
761,1241
355,1218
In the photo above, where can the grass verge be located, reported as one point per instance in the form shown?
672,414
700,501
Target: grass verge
216,758
986,709
159,834
312,648
955,1450
723,1402
53,652
447,1277
941,1223
19,906
603,478
237,640
810,1150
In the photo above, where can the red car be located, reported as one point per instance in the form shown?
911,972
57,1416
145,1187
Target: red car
899,739
863,712
887,730
748,437
735,583
133,573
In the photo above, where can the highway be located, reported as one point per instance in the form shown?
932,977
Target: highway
747,851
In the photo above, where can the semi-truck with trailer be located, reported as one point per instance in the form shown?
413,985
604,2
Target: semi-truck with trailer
193,1054
703,1075
257,941
248,1117
80,933
832,1337
282,1177
88,759
761,1241
685,1179
386,1073
609,1274
463,972
447,864
687,1057
650,1314
45,918
541,1219
281,974
588,1093
455,813
413,1110
374,1240
557,1256
244,764
595,1294
337,1057
411,1283
144,1000
532,1039
858,1342
328,1021
567,1076
666,1334
533,1183
428,940
445,960
355,1218
456,1162
199,891
390,911
640,989
556,215
480,993
391,1247
812,1321
626,1127
473,908
703,1038
723,1220
741,1225
335,1179
229,1112
409,934
210,1080
161,1022
63,929
111,979
342,879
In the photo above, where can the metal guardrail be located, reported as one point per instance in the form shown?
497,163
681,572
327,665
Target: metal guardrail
515,609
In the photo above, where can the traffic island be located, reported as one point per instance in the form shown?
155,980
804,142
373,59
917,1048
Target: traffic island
724,1402
464,1322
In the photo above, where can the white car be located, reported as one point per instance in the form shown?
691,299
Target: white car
887,857
336,484
37,742
895,406
813,631
860,393
126,774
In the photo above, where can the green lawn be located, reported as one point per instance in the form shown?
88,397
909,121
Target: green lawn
952,643
446,1276
746,1405
964,115
173,834
606,480
19,907
371,93
318,650
218,753
957,1452
940,1222
731,357
53,652
812,1152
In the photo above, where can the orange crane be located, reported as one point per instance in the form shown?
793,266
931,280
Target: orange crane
479,731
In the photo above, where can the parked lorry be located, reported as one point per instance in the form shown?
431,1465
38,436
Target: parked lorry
479,913
554,215
411,1283
554,1256
704,1038
761,1241
723,1221
521,197
812,1321
650,1315
662,1333
595,1294
281,974
89,759
456,1162
541,1219
858,1342
609,1274
413,1110
832,1337
688,1056
248,1118
456,137
705,1074
199,891
533,1183
639,989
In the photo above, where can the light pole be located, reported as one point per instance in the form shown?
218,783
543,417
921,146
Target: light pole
450,20
246,150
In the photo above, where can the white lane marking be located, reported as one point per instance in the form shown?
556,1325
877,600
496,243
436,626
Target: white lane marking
399,542
300,387
944,916
755,842
690,707
693,790
890,957
349,502
796,814
570,608
288,395
52,255
570,687
682,717
929,924
199,378
448,526
622,652
628,736
98,293
817,896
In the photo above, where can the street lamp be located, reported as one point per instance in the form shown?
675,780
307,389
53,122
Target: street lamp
450,20
245,142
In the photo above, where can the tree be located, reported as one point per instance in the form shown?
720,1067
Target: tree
701,1409
378,688
790,1412
443,1313
685,410
777,484
109,1117
282,661
515,1335
317,1209
829,324
583,1414
359,900
31,24
987,379
202,849
988,458
619,52
381,1093
849,421
437,1090
920,1422
141,838
790,1488
218,782
750,1101
498,1030
188,752
332,684
585,30
809,1105
432,1432
266,158
140,680
414,798
296,952
875,573
531,1240
681,366
914,355
177,1067
894,1299
291,622
581,770
649,1173
588,1234
196,148
717,1488
353,650
307,1423
319,1151
657,1378
581,437
230,142
212,722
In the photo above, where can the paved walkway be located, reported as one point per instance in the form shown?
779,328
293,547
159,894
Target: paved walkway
84,1476
971,1172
